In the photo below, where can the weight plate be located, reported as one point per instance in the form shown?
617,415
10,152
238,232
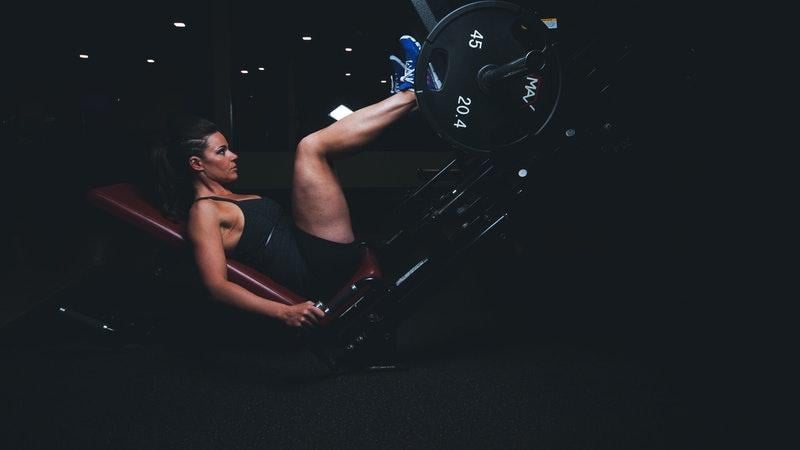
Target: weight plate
467,112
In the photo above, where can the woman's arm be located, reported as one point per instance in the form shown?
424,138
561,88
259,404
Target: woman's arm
209,253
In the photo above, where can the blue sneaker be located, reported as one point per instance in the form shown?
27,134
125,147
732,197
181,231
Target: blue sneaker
432,79
411,50
434,83
398,70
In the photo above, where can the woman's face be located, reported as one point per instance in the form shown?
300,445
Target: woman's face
218,161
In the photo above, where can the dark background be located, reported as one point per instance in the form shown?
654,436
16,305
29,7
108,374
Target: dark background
599,325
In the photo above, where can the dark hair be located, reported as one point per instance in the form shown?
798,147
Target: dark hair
186,136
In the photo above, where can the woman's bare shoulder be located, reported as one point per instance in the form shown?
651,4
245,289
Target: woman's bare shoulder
203,213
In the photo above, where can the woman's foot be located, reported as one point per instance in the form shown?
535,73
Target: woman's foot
398,70
411,50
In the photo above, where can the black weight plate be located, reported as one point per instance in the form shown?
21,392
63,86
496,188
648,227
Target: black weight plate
468,39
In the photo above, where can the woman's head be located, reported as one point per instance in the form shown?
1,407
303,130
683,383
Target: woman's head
217,162
182,155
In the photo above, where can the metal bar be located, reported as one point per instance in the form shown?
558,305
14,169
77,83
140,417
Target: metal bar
433,179
489,76
425,13
84,319
223,100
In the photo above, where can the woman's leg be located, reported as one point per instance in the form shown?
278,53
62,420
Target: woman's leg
318,203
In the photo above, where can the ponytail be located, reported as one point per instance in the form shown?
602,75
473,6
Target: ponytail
174,191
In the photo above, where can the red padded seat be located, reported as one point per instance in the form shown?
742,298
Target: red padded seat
126,202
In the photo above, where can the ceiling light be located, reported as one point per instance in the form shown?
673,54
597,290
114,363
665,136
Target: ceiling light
347,74
244,71
306,38
261,68
82,56
180,24
151,61
383,81
348,49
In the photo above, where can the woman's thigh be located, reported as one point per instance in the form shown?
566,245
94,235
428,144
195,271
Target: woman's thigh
319,206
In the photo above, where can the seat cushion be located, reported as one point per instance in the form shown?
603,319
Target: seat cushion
125,201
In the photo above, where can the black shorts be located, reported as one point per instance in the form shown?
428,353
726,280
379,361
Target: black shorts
330,264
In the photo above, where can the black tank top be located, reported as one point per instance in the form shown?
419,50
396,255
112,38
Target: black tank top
268,243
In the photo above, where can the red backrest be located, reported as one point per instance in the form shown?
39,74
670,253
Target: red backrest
124,201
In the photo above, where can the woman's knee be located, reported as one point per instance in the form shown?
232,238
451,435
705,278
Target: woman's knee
311,166
310,146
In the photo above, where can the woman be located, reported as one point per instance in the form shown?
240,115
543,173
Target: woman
310,250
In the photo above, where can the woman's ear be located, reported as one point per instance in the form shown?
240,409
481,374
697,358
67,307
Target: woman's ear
195,163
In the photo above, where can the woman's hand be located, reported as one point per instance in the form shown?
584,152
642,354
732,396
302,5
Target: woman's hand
302,314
